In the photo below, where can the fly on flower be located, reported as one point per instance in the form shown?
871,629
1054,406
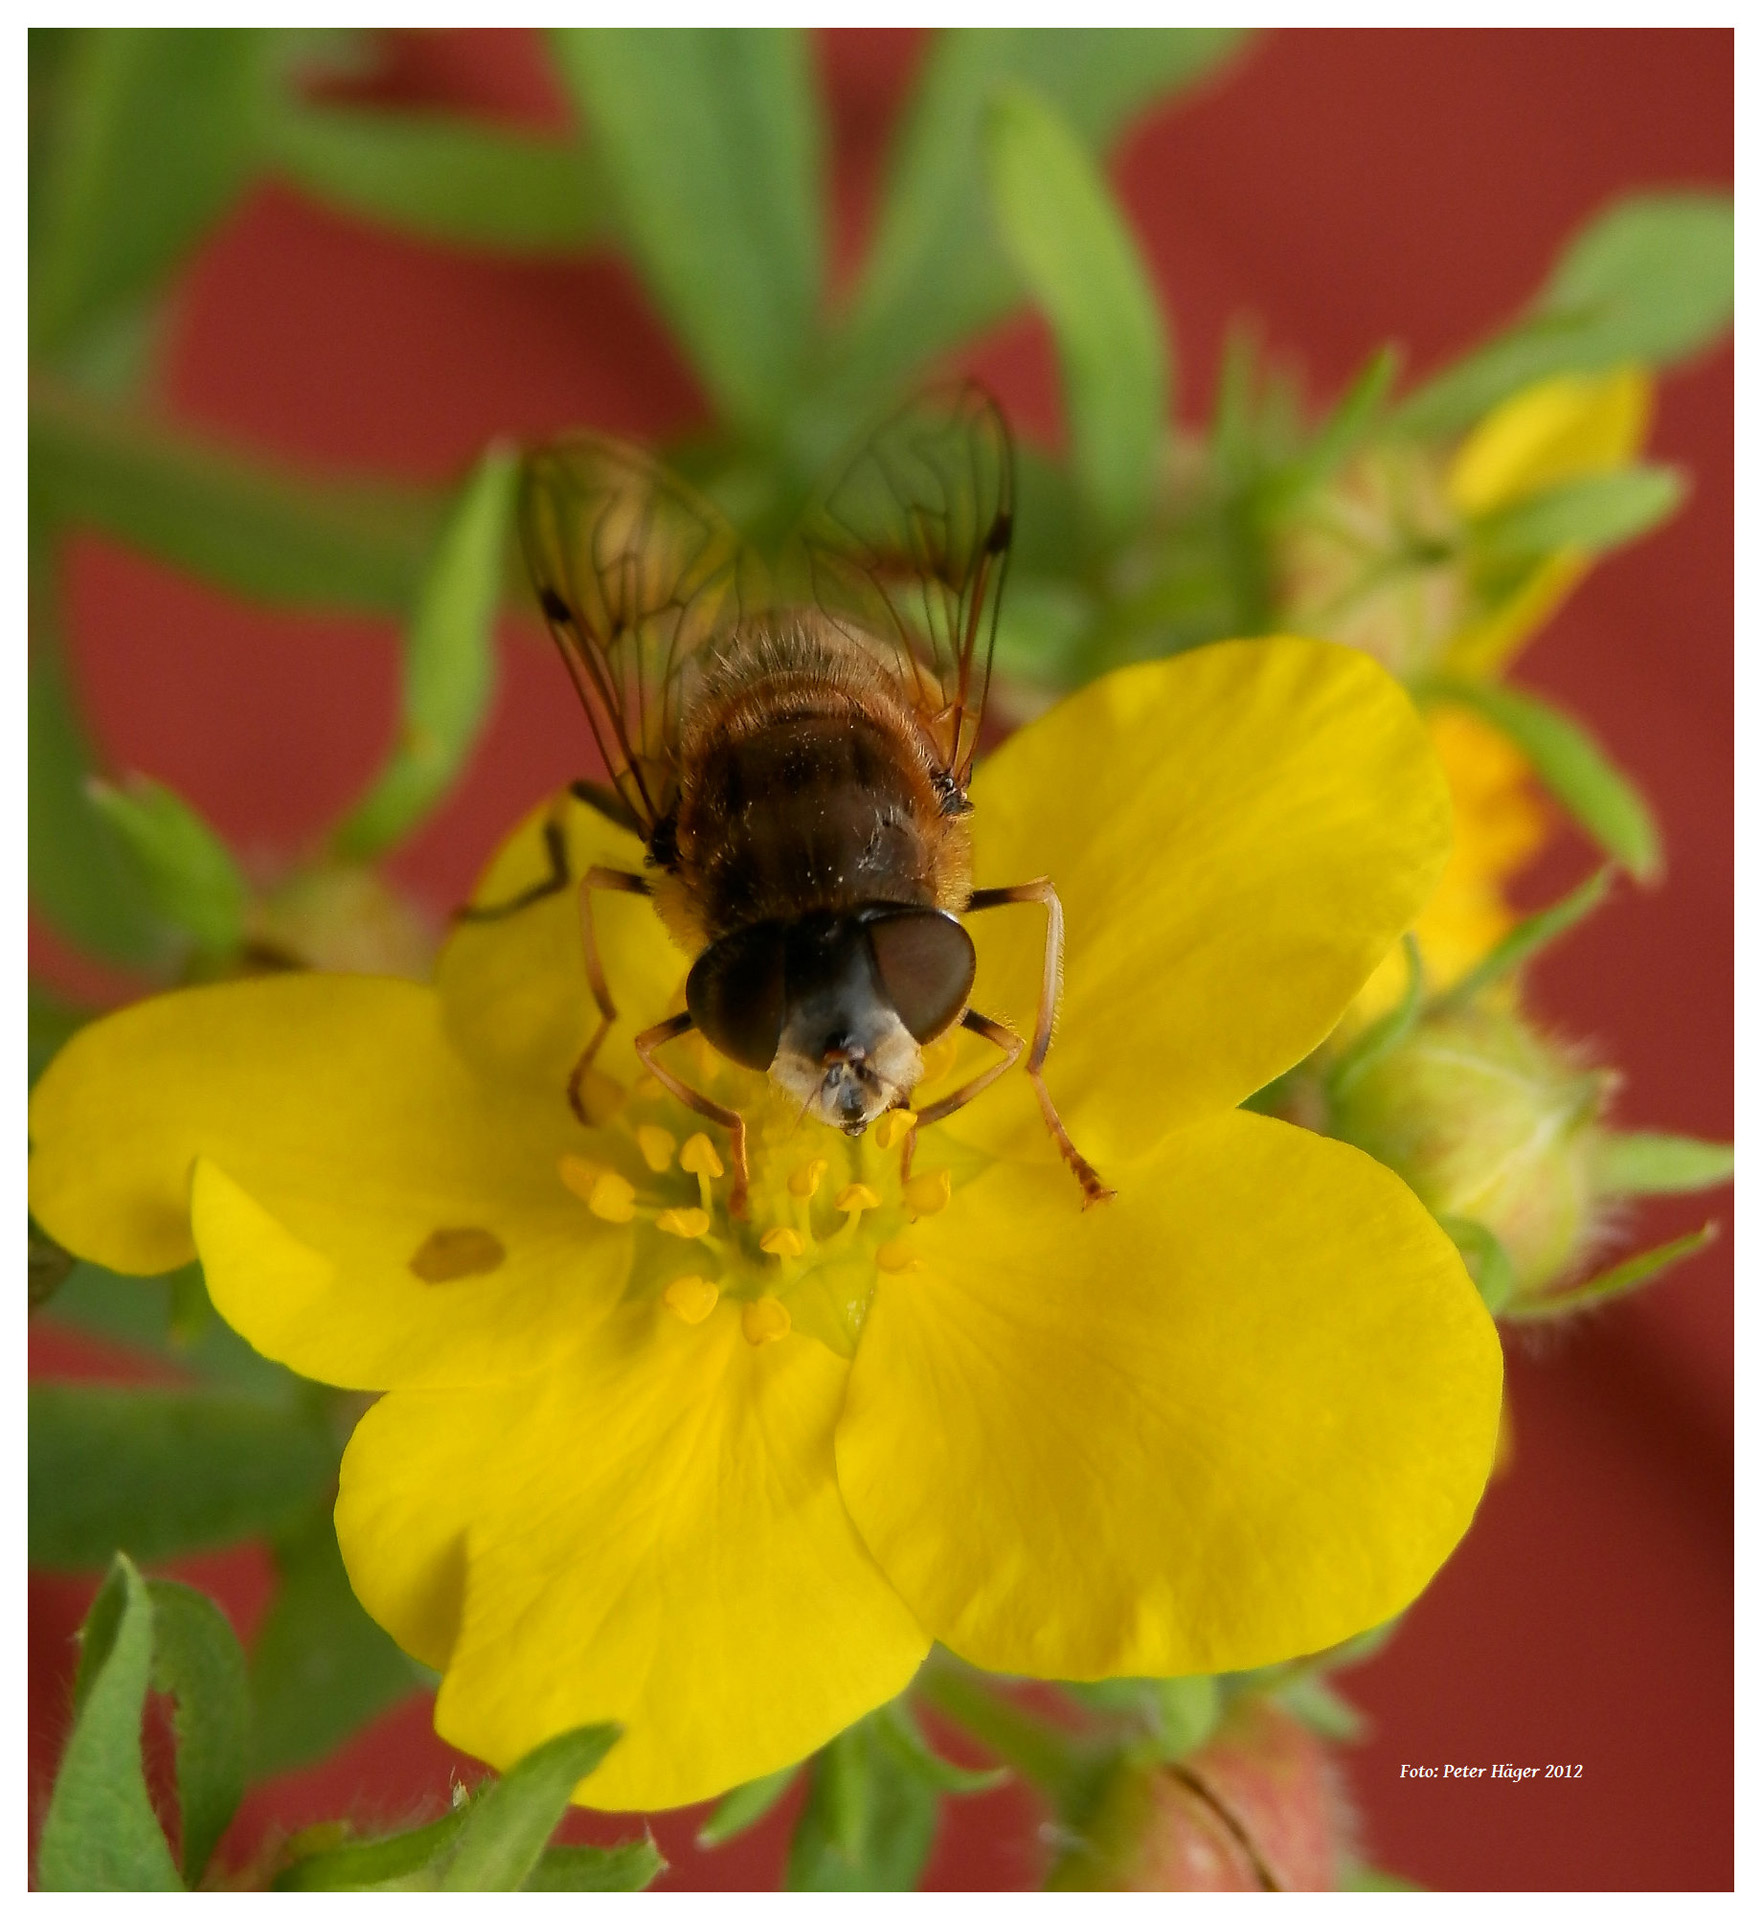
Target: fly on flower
796,765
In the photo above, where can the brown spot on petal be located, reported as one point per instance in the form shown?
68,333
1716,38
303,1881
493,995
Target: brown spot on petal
457,1253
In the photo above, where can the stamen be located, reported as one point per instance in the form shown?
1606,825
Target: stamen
686,1223
763,1321
897,1257
804,1183
656,1146
856,1198
580,1176
927,1193
699,1155
893,1126
692,1298
613,1198
784,1242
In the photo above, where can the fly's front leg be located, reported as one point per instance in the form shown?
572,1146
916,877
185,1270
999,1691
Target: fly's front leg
605,880
657,1036
1041,893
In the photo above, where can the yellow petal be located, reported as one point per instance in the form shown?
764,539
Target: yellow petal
359,1179
1238,836
515,989
655,1537
1238,1414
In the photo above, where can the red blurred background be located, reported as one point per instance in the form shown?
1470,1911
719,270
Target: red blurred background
1346,187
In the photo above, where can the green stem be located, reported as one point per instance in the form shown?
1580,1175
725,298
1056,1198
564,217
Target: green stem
1062,1765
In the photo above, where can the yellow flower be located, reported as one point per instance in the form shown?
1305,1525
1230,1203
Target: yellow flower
724,1486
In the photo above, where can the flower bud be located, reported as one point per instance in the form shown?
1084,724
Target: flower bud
342,918
1257,1807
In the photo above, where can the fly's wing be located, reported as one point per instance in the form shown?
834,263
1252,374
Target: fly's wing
907,550
635,575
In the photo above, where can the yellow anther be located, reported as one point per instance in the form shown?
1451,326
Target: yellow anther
856,1198
656,1146
785,1242
897,1257
613,1198
688,1223
927,1192
893,1127
692,1298
763,1321
804,1183
699,1155
580,1176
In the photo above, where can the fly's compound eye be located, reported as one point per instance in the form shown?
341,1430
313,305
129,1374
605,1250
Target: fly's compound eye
925,962
734,994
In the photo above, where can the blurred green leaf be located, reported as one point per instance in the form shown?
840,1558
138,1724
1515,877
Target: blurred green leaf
898,1731
1338,436
504,1833
449,663
1650,279
1489,1265
198,1660
1187,1709
1571,765
745,1806
1077,257
1631,1274
156,1471
101,1834
1310,1699
188,872
1591,515
869,1819
50,1266
400,1861
709,140
467,183
1386,1032
622,1869
241,524
51,1023
937,271
1660,1163
320,1668
1528,938
152,142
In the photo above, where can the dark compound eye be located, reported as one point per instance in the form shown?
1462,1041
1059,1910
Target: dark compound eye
925,963
734,993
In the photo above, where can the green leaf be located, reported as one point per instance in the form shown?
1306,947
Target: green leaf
449,662
1650,279
623,1869
153,142
101,1834
1310,1699
189,874
241,524
51,1023
1340,435
709,139
1660,1163
900,1736
402,1861
1186,1711
157,1471
320,1668
1385,1033
1631,1273
1526,940
1571,765
1590,515
937,271
506,1829
869,1819
744,1806
1489,1265
198,1660
50,1266
1077,257
466,183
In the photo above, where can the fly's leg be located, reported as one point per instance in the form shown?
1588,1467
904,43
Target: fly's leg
605,880
1029,893
647,1044
603,801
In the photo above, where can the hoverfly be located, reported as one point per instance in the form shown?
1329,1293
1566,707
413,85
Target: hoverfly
796,763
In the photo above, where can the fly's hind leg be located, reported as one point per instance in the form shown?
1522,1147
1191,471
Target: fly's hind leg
604,880
1031,893
656,1037
556,877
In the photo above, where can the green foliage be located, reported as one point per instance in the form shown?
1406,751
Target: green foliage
1636,1163
1631,1274
101,1834
459,181
162,1470
709,140
1649,280
197,1659
191,880
1588,515
320,1668
400,1862
50,1023
622,1869
502,1836
1528,938
1386,1032
1571,765
1489,1265
745,1806
449,663
1075,254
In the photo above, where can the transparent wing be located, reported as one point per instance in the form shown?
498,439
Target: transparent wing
907,549
635,575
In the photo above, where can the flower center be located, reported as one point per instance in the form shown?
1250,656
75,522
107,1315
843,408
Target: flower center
825,1216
